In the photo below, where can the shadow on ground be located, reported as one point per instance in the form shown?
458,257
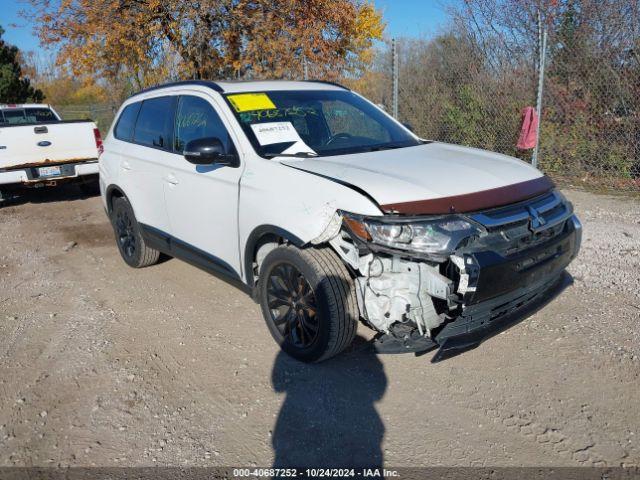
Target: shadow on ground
59,193
328,417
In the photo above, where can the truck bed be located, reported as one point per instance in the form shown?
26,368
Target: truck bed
44,144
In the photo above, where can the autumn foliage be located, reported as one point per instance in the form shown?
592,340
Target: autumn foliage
149,41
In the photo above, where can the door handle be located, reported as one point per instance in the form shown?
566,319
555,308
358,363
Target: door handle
171,178
125,166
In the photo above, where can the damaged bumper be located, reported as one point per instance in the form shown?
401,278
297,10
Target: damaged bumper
501,292
505,290
484,320
488,283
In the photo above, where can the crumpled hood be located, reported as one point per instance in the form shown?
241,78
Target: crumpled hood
434,171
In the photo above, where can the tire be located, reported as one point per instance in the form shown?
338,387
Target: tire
90,189
132,247
308,301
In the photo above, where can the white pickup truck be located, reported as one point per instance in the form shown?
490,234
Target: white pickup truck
38,148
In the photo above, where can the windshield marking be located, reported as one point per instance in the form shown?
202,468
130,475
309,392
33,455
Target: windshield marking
246,102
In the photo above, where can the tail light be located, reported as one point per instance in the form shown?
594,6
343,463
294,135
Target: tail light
99,144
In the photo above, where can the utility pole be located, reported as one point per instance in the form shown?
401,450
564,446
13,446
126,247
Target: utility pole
305,67
542,50
394,67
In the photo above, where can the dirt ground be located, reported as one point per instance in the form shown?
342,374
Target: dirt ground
104,365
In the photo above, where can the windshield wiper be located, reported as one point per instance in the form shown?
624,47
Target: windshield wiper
377,148
392,146
294,155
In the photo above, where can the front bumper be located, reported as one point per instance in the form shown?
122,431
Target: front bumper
502,291
508,290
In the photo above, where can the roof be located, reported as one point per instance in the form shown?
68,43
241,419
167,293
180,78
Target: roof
256,86
250,86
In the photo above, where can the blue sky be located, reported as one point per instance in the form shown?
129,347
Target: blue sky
413,18
403,18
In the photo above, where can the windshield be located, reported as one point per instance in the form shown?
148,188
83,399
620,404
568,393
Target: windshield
18,116
310,123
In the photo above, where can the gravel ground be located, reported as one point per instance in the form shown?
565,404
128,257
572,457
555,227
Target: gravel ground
104,365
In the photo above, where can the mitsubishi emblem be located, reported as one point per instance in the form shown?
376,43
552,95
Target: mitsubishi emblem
536,221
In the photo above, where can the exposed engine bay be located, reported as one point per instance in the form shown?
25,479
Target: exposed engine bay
513,254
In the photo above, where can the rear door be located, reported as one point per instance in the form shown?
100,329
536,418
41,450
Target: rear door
202,201
143,159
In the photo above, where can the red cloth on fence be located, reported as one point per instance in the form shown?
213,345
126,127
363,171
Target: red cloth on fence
529,129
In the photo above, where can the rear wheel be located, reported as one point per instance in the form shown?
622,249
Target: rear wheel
308,302
90,189
131,245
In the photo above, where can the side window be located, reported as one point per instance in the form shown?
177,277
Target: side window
154,127
127,122
195,119
14,117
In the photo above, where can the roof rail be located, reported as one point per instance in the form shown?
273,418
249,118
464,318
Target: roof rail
203,83
326,82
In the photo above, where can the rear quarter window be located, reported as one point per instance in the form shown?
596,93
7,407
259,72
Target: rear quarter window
127,122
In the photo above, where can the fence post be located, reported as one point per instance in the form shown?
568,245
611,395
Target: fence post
542,42
305,67
394,67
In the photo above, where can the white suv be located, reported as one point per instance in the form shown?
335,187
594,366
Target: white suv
328,211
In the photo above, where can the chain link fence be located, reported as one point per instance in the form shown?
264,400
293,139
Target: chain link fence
590,127
449,90
101,114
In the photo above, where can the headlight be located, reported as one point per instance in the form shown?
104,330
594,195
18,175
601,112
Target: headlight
437,238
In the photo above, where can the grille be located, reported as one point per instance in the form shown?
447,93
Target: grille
516,228
550,209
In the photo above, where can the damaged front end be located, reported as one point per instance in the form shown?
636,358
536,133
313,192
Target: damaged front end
452,281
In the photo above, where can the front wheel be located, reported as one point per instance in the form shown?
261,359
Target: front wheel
308,301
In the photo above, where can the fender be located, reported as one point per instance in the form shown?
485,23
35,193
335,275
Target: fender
254,239
110,193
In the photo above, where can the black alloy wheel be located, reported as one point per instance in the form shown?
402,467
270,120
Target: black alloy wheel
308,301
292,305
125,233
131,244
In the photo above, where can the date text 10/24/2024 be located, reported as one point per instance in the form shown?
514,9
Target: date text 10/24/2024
315,472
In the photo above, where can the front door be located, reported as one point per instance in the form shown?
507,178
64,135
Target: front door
202,200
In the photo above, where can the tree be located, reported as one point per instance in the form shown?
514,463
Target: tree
60,87
14,88
152,40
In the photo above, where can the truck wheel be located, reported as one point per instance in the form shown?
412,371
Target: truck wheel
90,189
128,236
309,302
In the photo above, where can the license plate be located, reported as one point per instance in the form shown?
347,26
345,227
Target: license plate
49,171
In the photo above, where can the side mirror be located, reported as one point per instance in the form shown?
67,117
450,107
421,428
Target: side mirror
408,126
208,151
